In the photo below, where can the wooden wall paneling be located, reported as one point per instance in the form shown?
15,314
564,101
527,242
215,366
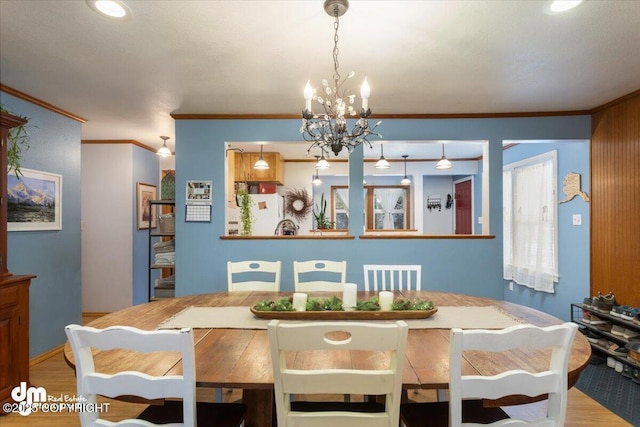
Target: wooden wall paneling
615,201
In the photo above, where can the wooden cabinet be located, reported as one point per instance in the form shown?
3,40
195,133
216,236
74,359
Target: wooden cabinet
244,171
14,334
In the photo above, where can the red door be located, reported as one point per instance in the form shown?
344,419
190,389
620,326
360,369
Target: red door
463,207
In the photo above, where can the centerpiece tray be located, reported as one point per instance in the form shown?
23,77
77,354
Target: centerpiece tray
345,315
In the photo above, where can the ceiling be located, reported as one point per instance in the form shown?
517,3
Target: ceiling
254,57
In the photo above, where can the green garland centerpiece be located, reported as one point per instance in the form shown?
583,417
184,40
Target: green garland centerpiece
325,304
335,304
372,304
407,304
281,304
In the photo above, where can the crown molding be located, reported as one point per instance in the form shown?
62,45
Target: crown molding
40,103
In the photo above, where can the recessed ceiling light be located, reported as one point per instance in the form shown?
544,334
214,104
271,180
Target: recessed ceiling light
554,7
110,8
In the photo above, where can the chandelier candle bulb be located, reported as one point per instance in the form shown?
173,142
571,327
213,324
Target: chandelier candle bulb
299,301
365,91
386,299
349,295
308,96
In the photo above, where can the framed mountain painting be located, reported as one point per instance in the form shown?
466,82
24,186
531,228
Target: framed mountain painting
34,201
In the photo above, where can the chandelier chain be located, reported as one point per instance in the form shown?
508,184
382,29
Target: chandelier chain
336,51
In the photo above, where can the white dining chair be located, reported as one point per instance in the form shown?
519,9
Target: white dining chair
319,275
184,412
393,277
466,392
385,380
253,276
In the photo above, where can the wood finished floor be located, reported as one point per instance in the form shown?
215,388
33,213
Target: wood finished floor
58,379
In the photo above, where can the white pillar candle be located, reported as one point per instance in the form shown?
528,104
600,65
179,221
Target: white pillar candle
386,299
349,295
299,301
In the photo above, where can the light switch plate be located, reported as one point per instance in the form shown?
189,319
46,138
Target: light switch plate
577,219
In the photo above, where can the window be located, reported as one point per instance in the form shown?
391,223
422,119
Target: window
387,207
530,222
340,207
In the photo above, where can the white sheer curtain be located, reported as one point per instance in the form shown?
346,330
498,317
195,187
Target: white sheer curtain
388,198
343,195
530,258
507,218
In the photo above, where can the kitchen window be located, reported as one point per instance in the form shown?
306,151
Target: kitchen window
387,207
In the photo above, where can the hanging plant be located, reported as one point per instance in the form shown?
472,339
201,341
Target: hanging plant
18,140
245,212
297,203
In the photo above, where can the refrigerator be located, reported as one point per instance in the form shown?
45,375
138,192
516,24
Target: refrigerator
267,210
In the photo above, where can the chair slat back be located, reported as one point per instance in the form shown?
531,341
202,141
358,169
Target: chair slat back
260,271
302,269
90,383
392,277
552,381
337,336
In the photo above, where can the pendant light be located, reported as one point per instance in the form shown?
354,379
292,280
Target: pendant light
261,163
444,163
322,163
382,163
316,179
405,180
164,150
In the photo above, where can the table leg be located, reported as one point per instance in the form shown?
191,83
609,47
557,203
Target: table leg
260,407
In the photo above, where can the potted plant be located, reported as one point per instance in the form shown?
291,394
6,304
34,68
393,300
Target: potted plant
245,211
320,214
18,140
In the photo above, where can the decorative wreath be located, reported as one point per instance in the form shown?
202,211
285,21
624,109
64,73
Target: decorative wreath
297,203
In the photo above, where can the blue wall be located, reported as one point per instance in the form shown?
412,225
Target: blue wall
54,256
573,241
146,169
466,266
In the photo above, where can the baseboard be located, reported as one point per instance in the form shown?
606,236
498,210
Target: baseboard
46,355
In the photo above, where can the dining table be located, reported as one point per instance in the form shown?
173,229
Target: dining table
240,357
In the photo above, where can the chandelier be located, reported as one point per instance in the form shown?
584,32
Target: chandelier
328,130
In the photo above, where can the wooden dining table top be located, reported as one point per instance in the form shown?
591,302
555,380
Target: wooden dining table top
240,358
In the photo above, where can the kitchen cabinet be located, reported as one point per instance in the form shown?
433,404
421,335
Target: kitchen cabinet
244,171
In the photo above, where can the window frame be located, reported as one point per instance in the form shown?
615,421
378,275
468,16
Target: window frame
510,168
370,207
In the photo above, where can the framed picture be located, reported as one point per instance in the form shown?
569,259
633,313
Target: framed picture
144,212
34,201
198,191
